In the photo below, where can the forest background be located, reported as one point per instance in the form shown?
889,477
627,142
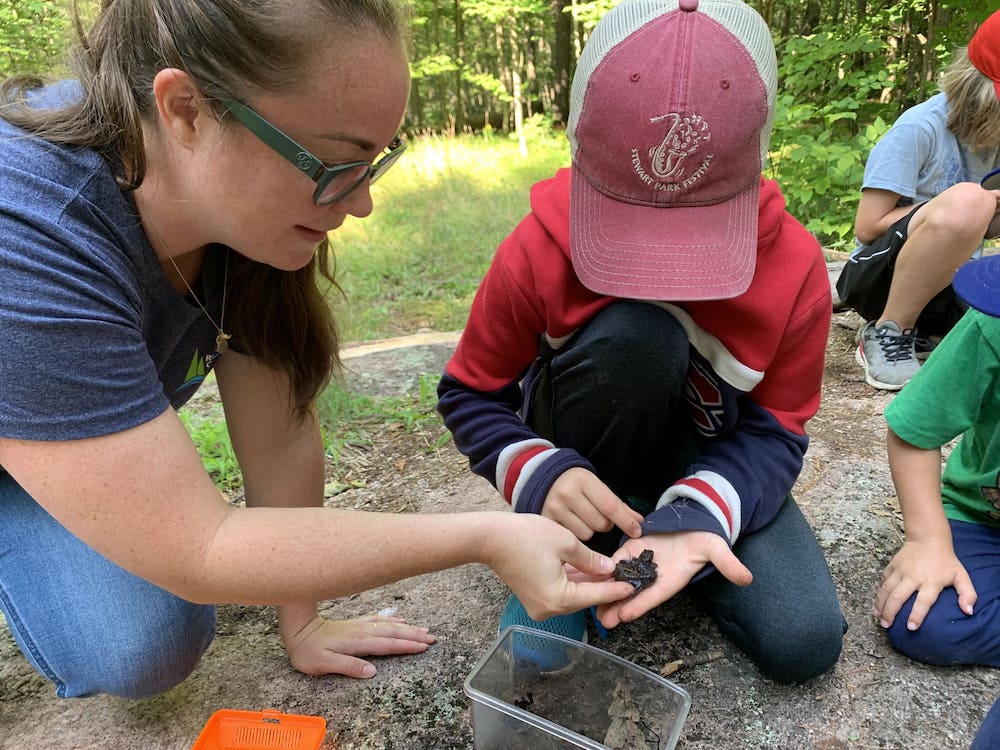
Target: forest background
847,69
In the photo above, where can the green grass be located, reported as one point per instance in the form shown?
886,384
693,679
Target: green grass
207,429
348,419
415,263
351,419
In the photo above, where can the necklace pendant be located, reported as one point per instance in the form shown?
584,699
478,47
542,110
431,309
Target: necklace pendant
222,341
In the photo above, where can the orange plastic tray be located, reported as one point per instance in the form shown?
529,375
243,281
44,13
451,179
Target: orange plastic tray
229,729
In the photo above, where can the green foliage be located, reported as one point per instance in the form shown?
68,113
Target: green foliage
432,65
539,129
953,20
588,14
825,129
33,36
488,83
509,11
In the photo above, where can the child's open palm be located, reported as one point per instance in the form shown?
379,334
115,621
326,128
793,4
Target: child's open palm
679,556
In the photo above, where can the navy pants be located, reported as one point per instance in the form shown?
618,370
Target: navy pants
948,635
614,393
988,736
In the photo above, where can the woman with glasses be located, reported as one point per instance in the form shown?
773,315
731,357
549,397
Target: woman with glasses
162,215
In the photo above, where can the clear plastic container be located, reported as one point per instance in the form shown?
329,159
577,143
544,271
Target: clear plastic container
537,691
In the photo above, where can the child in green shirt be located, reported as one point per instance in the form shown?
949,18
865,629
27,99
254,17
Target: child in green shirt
940,594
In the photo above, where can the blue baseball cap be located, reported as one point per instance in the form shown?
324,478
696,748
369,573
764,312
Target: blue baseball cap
978,283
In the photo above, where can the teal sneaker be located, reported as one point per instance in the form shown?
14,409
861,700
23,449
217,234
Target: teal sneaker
541,654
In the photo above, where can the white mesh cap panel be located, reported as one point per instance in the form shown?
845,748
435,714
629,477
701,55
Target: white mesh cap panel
630,15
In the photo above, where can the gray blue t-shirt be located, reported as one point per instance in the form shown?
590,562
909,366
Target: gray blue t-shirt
919,158
93,338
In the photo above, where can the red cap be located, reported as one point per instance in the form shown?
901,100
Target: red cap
670,119
984,49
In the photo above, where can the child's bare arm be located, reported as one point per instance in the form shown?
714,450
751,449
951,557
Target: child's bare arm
926,564
877,211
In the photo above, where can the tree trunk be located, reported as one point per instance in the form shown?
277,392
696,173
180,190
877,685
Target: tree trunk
517,61
562,60
461,92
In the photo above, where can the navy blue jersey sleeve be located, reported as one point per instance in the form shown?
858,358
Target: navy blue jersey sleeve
501,448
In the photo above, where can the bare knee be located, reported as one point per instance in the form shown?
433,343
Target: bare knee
961,213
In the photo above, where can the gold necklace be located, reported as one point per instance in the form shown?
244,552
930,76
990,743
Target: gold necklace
221,337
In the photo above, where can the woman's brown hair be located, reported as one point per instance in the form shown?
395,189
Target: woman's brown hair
232,48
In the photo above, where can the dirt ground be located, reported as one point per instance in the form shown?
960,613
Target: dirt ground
874,698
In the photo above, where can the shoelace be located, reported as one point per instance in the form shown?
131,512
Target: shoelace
896,346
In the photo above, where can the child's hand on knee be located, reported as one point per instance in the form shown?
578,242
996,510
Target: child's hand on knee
926,568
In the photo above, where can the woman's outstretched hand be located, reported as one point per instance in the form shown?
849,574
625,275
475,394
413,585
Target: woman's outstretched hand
548,568
338,646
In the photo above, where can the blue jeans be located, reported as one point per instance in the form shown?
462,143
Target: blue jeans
83,622
948,635
615,393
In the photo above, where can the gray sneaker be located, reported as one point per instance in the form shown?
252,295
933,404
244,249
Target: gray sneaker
887,354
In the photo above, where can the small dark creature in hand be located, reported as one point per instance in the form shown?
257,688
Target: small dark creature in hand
639,571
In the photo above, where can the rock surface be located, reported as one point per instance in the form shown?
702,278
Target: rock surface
874,698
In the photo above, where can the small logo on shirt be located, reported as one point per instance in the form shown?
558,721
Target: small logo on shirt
992,496
197,370
704,399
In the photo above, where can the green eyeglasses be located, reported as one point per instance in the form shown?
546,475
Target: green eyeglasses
332,182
